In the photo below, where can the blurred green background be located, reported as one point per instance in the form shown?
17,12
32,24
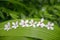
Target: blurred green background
13,10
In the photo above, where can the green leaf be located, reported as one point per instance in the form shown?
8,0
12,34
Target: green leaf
1,15
40,33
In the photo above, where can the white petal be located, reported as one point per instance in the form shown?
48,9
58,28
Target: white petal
46,25
52,28
16,22
23,25
32,20
49,23
41,25
13,23
48,28
37,24
27,25
8,23
26,21
15,27
5,28
52,24
34,26
20,23
42,19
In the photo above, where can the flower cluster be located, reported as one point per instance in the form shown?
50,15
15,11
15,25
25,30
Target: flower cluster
29,23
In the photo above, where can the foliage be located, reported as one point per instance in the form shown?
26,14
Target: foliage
12,9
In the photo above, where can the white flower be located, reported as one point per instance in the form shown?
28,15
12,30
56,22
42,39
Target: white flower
24,23
7,26
32,23
21,22
50,26
15,25
41,24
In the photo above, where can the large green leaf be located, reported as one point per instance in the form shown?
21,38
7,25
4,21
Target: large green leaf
40,33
